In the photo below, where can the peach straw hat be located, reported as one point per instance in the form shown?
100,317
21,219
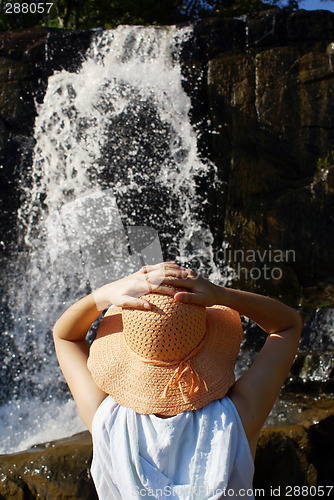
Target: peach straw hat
166,360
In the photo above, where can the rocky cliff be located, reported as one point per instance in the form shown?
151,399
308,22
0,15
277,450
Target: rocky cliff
269,82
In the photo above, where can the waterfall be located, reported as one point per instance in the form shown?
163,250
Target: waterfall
114,183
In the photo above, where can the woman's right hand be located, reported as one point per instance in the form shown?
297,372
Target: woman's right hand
129,292
198,289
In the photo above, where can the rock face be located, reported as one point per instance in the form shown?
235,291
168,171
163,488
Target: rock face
270,85
25,66
266,85
21,55
51,471
292,455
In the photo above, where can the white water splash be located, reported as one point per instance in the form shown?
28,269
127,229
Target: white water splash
83,129
27,423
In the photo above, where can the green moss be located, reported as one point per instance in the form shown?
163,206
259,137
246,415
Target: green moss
325,163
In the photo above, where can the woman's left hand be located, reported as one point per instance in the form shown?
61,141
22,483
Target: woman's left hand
130,291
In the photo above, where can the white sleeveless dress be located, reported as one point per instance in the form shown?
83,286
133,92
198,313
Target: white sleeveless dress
195,455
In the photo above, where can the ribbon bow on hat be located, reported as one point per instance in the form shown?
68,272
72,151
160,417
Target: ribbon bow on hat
196,380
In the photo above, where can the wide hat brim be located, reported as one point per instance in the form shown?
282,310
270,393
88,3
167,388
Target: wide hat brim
132,382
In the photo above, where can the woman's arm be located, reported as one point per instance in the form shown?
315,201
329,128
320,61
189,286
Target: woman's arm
72,351
255,392
70,331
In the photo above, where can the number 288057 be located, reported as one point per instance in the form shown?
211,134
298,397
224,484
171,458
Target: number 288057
27,8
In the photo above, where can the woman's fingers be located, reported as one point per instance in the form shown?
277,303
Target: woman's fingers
162,274
135,303
189,298
165,278
140,303
169,276
180,279
162,267
158,288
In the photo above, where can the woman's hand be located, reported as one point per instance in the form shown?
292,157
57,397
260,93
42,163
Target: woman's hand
129,291
201,291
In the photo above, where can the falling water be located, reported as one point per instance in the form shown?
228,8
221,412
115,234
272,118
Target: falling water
114,183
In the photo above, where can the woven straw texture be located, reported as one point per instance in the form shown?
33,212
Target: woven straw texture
168,332
172,358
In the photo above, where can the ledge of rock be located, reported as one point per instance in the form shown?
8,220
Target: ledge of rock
287,455
58,469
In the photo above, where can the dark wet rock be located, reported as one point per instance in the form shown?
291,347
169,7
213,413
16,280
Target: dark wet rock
213,36
66,49
312,372
319,333
284,458
302,409
298,454
24,45
272,109
287,455
53,470
323,438
280,27
22,54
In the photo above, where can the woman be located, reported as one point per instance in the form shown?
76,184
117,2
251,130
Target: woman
166,415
